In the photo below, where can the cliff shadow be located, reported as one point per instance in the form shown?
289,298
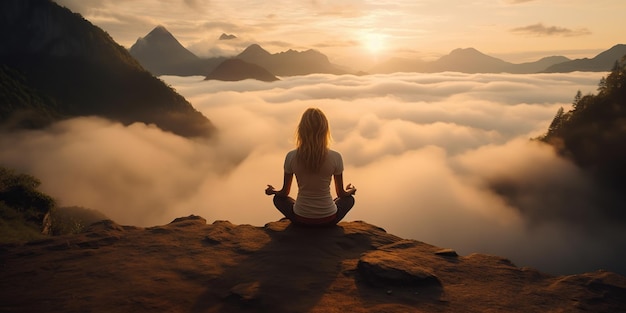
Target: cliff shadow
291,273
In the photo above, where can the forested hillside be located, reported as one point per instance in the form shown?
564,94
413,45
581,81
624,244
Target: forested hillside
21,105
56,64
593,132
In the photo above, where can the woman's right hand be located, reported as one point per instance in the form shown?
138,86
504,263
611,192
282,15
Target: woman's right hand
270,190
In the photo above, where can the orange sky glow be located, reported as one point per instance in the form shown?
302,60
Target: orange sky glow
359,33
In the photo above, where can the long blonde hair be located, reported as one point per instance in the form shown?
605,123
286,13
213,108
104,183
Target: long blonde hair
312,139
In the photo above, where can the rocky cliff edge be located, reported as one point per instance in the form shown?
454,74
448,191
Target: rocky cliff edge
191,266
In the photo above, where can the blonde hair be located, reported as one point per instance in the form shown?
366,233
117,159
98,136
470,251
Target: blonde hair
312,139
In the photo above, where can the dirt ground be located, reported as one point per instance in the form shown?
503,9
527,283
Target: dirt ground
191,266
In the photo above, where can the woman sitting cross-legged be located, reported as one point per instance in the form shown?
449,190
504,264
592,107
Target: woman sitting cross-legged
313,164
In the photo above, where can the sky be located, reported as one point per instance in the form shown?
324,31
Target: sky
423,150
360,33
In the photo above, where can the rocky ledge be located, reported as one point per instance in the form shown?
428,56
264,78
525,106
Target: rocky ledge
191,266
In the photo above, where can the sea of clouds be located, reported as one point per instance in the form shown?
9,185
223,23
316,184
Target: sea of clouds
441,158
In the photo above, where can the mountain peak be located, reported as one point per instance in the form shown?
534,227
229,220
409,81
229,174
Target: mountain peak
160,28
614,53
253,51
618,46
466,52
160,33
600,63
255,48
469,60
290,62
158,48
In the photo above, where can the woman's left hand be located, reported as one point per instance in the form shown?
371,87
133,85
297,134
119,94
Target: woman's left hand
350,189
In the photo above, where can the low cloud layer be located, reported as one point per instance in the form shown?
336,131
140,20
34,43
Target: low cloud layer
431,156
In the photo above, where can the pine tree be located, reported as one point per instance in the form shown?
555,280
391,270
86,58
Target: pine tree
602,85
579,95
556,122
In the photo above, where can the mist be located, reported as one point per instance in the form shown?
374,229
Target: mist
433,157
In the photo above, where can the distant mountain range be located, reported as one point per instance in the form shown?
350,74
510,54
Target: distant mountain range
161,53
467,60
291,62
54,64
602,62
473,61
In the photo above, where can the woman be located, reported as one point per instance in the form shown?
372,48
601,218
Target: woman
314,164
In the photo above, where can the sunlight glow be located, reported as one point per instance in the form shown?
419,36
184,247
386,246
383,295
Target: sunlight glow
375,43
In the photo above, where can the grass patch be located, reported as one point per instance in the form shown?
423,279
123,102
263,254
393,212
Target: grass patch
15,229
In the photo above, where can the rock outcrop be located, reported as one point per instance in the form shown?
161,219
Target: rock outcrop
191,266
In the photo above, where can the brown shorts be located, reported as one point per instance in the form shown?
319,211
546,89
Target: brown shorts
315,221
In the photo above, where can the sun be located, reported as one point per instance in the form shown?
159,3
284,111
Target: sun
374,43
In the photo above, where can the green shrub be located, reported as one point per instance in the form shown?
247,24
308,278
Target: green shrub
22,207
15,228
72,220
19,191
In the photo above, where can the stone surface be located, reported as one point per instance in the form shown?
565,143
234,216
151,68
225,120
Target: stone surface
387,268
191,266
